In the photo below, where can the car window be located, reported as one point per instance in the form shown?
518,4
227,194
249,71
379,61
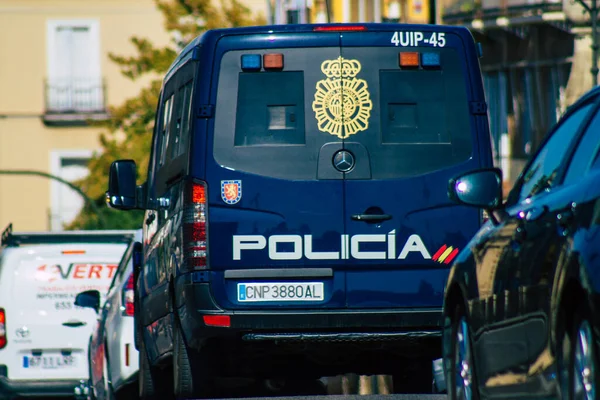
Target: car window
543,170
586,151
122,266
181,118
165,129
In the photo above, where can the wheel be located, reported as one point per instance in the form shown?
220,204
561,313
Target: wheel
578,364
191,376
149,388
462,383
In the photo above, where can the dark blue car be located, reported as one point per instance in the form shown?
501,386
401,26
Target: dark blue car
297,222
522,309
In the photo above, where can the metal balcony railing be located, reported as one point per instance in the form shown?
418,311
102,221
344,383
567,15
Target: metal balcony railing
75,95
453,9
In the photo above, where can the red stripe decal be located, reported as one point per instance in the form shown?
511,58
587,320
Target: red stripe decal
439,252
451,256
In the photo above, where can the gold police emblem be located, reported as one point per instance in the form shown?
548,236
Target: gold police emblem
342,102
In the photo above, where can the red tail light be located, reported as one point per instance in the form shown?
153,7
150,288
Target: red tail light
128,296
223,321
2,328
194,226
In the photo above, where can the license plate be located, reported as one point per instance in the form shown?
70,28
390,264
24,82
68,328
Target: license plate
280,291
49,362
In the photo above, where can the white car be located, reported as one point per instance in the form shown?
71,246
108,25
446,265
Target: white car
43,335
113,358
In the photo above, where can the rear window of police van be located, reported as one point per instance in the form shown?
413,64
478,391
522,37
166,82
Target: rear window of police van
411,120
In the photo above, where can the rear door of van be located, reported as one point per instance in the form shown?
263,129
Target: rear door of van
49,335
408,128
276,209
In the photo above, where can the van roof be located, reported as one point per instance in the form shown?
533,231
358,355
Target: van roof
214,34
10,238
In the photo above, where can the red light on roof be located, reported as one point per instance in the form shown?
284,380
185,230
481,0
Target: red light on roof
73,251
273,61
217,320
409,59
348,28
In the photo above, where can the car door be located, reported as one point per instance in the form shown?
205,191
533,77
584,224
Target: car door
516,323
407,130
155,297
275,200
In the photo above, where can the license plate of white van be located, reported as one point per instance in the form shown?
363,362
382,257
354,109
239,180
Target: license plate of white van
49,362
280,291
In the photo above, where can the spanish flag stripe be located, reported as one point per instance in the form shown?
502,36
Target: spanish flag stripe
446,253
451,256
439,253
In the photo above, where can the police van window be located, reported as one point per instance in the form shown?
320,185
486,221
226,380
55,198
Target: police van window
182,120
586,150
543,170
175,137
165,129
411,121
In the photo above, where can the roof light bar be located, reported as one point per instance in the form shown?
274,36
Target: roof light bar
251,62
409,59
273,61
430,60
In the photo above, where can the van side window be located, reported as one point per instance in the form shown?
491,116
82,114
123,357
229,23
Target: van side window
155,147
165,127
181,121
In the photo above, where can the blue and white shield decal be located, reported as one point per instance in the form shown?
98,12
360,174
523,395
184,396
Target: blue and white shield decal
231,191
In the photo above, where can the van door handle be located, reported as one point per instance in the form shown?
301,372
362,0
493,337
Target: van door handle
74,324
371,217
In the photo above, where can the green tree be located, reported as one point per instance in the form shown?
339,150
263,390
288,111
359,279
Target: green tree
129,131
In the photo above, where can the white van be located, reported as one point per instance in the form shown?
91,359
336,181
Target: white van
44,337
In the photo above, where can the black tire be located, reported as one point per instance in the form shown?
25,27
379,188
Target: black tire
191,375
149,388
570,380
457,321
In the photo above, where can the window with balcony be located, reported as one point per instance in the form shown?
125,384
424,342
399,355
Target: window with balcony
74,88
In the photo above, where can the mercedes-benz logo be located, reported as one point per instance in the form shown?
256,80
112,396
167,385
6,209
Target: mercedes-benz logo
23,332
343,161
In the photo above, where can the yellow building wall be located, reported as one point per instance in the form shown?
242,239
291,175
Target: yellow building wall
417,11
25,142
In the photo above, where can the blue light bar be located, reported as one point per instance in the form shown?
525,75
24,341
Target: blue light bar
429,60
251,62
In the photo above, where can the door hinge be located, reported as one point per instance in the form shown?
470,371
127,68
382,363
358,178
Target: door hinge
206,111
478,107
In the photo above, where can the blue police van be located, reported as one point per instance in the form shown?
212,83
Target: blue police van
297,221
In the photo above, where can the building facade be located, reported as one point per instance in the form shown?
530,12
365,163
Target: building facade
55,74
332,11
536,62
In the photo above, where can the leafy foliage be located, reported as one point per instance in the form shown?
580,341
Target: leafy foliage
129,131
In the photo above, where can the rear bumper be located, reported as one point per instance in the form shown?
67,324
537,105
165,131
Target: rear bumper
37,388
196,301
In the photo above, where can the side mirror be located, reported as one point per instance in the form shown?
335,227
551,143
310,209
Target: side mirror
481,188
122,188
88,299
